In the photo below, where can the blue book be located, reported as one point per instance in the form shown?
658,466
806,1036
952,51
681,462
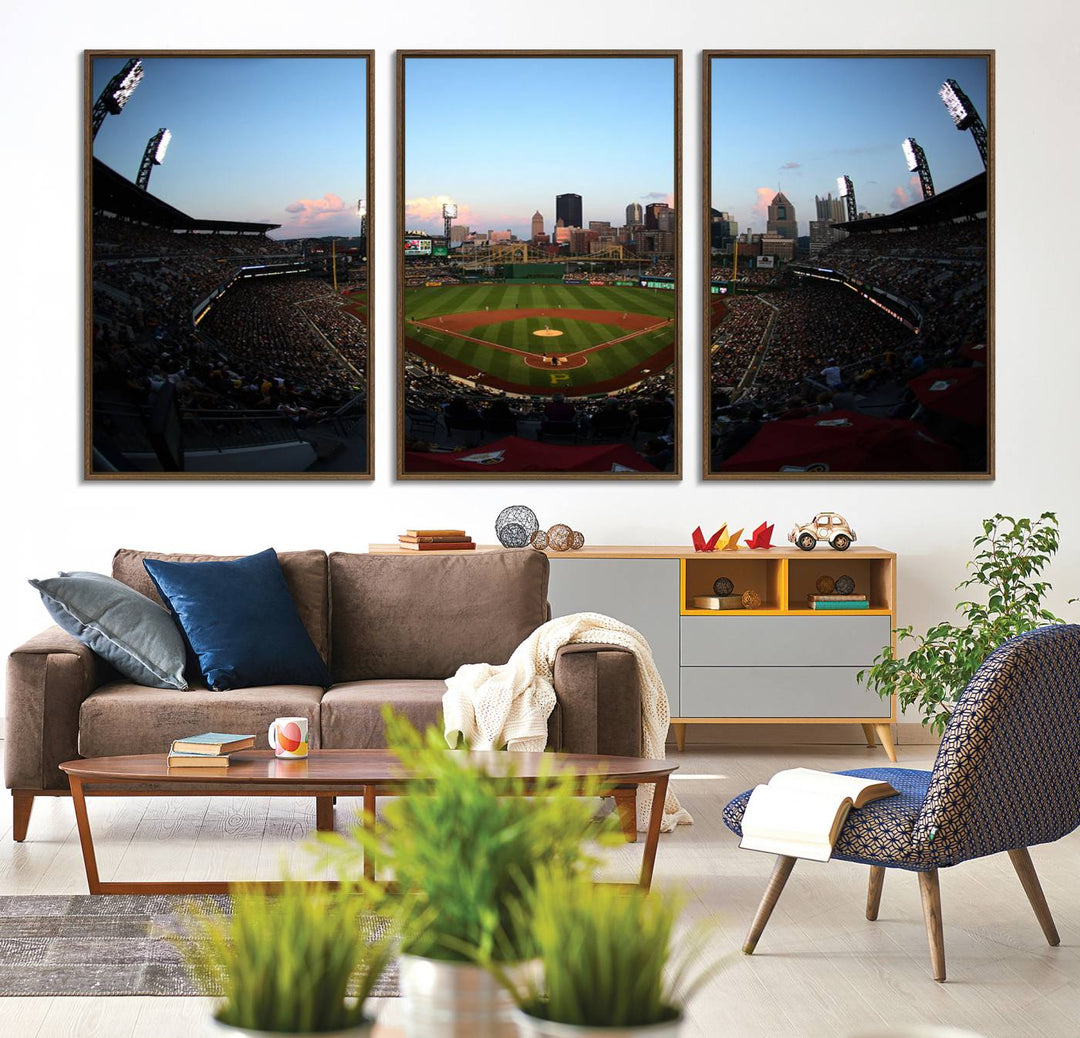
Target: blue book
212,744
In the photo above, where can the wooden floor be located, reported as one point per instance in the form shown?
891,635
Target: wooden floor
820,968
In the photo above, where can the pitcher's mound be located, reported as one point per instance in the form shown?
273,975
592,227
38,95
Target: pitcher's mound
547,333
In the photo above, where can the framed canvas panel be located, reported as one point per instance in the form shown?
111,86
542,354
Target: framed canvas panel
228,231
538,244
848,250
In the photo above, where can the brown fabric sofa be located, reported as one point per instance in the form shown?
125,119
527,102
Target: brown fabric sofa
391,628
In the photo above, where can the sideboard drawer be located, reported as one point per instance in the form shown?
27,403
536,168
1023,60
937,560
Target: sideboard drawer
783,641
778,692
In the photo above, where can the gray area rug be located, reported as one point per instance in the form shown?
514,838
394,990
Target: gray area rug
109,944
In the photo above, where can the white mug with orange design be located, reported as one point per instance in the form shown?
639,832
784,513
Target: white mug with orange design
288,737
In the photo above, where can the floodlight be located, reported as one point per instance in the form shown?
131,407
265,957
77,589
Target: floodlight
449,210
123,85
153,156
847,192
909,154
164,136
957,103
361,208
843,185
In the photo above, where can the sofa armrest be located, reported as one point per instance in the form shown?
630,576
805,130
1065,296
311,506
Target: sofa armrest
47,680
599,699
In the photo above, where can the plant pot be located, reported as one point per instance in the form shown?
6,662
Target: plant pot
452,1000
361,1030
534,1027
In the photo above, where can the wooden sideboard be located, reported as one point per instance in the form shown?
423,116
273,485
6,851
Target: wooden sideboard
781,663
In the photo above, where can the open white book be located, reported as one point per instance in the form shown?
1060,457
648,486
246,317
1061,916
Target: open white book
801,811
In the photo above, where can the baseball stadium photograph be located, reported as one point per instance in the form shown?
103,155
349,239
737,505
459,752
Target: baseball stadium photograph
227,265
848,232
539,242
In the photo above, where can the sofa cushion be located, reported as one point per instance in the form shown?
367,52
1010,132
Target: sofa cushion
122,718
304,572
240,618
396,616
352,712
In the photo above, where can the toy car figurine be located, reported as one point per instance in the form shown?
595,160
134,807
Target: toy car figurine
825,526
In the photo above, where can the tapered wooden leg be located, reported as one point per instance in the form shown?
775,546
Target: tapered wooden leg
680,736
873,892
369,822
652,836
21,806
935,935
86,837
324,814
781,871
871,739
1033,888
626,806
884,732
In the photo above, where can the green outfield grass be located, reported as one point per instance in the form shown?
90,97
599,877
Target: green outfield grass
425,303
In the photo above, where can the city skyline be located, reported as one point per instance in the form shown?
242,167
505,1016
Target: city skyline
830,116
501,137
263,139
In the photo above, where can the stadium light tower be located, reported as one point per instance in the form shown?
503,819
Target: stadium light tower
846,191
117,92
916,163
361,215
154,155
449,212
964,115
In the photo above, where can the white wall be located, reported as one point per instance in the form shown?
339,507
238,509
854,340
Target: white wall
56,521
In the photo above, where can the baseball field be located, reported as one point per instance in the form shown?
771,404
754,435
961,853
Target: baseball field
543,338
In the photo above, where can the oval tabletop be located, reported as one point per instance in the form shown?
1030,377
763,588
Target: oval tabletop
359,767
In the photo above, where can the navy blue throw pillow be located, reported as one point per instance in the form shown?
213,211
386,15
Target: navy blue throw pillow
241,621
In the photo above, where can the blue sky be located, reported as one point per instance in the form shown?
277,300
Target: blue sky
275,140
801,122
502,137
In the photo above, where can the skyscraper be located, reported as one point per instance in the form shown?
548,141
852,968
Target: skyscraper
782,217
653,212
568,209
634,215
537,225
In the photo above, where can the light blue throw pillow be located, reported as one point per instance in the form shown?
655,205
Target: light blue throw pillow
136,635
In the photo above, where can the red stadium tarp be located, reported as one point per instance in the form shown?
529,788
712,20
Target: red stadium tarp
513,454
844,441
956,393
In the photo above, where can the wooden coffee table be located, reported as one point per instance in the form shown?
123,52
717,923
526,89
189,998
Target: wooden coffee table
327,774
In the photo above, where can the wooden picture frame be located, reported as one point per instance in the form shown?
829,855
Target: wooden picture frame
761,417
182,382
445,373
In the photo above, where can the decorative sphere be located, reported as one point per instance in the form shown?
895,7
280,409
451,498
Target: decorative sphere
751,599
515,526
723,586
560,537
539,540
825,585
577,542
845,585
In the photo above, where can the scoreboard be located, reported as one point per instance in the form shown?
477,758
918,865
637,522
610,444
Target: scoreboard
417,247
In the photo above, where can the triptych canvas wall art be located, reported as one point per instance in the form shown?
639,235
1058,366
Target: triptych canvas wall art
846,290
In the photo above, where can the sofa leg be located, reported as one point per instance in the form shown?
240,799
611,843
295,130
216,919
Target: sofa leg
324,814
680,736
22,804
873,892
626,806
1025,869
935,935
781,871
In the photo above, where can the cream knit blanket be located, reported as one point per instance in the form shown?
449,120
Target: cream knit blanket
510,705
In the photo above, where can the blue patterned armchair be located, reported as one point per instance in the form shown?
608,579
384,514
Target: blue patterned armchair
1006,777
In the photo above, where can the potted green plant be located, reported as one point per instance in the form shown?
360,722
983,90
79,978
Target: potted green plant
607,966
465,848
1010,556
298,962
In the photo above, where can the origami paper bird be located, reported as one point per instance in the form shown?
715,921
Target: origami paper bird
700,544
733,541
762,537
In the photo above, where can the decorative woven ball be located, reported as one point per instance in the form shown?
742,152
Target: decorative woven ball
560,537
515,526
539,540
751,599
845,585
577,542
825,585
723,586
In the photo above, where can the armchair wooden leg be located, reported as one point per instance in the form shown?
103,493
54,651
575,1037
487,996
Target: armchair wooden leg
1021,860
781,871
873,892
21,806
931,906
871,739
626,806
884,732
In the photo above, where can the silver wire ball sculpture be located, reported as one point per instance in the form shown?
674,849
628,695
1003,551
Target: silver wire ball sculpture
515,526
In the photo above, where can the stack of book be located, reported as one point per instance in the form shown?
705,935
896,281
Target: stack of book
436,540
838,601
209,750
